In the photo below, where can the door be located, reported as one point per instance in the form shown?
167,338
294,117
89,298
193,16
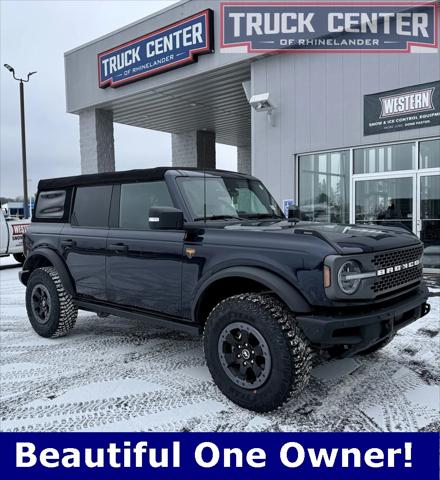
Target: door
143,266
408,201
83,242
4,234
385,201
428,218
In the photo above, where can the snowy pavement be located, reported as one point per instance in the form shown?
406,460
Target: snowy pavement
115,374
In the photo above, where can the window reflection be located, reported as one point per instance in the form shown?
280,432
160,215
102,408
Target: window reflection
430,219
429,154
385,158
324,187
385,202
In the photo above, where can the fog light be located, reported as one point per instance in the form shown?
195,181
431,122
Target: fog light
348,277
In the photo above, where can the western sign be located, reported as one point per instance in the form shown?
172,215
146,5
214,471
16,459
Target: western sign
417,101
19,229
402,109
280,27
164,49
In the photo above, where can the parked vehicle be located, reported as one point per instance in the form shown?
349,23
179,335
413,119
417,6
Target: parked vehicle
11,237
212,253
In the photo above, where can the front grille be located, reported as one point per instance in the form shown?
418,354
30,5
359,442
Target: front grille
398,279
397,257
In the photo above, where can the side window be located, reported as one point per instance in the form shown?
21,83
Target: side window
51,204
136,200
91,207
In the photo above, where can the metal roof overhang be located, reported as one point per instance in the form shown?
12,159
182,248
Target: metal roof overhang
213,101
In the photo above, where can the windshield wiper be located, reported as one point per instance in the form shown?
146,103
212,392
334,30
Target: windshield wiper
218,217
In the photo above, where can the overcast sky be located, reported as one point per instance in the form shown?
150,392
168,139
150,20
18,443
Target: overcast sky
34,36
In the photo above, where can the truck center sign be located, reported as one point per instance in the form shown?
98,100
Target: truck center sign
280,27
164,49
402,109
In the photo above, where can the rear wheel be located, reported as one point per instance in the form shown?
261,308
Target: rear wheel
50,308
19,257
256,352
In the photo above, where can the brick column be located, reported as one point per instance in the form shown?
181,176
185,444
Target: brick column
193,149
244,160
96,141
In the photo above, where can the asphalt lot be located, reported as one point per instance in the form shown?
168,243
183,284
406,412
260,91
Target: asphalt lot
115,374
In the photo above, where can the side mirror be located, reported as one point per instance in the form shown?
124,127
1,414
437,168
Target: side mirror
165,218
294,214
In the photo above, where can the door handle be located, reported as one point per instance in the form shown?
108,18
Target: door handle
68,243
118,247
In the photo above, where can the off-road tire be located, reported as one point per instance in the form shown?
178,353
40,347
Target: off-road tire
291,356
63,312
19,257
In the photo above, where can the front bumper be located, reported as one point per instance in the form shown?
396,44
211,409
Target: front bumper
357,332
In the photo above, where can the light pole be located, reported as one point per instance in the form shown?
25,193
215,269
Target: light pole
23,138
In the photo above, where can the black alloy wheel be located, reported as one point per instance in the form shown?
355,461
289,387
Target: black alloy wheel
41,303
244,355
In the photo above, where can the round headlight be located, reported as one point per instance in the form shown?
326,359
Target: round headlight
347,280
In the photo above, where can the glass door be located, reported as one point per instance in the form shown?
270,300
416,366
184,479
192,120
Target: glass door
385,201
428,217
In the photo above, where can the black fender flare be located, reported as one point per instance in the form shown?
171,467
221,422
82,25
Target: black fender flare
52,257
286,291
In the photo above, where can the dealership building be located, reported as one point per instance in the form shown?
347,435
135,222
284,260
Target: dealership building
348,136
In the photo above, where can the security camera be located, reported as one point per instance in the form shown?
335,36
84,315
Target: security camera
261,103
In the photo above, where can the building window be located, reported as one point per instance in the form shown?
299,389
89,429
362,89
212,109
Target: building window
384,158
136,201
429,156
324,182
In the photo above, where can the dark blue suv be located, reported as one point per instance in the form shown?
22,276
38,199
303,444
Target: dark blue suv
211,252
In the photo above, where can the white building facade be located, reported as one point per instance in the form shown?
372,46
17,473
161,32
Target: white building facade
320,147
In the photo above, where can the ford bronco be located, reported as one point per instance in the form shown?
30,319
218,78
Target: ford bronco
212,253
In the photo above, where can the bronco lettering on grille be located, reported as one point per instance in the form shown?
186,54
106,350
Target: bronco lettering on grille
397,268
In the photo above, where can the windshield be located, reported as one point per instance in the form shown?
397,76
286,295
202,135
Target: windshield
228,197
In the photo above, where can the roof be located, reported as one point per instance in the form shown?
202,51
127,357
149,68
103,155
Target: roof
148,174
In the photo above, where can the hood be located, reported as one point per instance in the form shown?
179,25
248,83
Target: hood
345,239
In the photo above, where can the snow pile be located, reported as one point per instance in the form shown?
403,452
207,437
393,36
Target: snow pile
115,374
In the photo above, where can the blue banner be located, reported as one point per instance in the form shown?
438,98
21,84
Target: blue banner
256,456
170,47
279,27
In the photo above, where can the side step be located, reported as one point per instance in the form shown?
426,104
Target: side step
173,323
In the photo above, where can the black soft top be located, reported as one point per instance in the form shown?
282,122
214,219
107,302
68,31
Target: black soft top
147,174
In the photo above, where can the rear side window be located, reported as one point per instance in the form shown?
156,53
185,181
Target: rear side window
91,206
136,201
50,205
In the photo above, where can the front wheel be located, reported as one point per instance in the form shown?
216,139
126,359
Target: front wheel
256,352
